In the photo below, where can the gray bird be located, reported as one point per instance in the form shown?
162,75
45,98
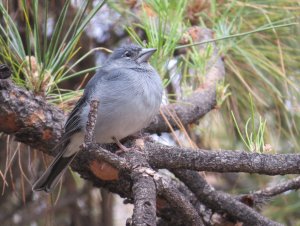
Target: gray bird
129,91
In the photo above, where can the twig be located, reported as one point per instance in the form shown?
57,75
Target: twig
260,197
143,190
292,184
91,123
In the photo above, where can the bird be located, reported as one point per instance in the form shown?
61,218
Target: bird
129,91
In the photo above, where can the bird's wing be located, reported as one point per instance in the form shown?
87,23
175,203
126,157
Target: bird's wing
73,124
53,173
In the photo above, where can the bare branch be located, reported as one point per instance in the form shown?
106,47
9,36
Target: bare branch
29,117
178,201
162,156
261,197
221,201
293,184
144,194
143,191
91,123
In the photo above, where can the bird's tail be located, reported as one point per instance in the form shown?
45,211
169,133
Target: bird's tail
51,176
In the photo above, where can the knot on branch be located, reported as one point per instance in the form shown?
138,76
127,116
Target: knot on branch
5,71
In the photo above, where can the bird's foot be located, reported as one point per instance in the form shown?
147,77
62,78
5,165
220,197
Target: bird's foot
121,146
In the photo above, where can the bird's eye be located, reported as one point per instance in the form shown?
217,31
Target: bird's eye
128,54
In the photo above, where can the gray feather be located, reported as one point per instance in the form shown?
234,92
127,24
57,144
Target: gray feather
129,91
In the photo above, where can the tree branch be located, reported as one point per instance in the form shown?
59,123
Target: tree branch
30,118
162,156
21,113
220,201
178,201
143,189
260,197
91,123
144,196
292,184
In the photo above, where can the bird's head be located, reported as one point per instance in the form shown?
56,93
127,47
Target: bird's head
132,53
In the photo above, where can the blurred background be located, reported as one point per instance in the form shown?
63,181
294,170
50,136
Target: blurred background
54,47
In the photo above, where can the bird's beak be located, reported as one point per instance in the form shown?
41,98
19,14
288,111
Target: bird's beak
145,54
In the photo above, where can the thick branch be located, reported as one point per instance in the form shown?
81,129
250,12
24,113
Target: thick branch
162,156
144,196
30,118
178,201
39,125
143,190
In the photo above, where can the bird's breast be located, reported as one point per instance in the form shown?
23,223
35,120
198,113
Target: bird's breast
128,111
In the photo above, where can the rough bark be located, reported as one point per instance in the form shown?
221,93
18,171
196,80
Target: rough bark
221,201
162,156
